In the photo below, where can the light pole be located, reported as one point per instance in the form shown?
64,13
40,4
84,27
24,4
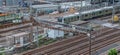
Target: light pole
89,36
80,9
119,22
113,13
30,6
119,18
90,39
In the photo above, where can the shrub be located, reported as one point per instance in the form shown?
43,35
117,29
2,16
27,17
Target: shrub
112,52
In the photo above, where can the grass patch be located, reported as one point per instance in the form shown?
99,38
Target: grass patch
45,40
2,53
1,49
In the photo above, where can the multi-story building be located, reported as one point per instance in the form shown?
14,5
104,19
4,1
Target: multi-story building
13,2
10,2
2,3
101,1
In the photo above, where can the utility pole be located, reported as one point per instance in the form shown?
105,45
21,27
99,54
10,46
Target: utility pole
80,11
119,18
90,44
89,36
113,12
90,39
37,36
30,6
37,30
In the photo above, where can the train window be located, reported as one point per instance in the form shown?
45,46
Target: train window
103,0
0,12
86,15
100,12
69,19
64,19
106,11
82,16
93,13
116,0
73,18
77,16
59,19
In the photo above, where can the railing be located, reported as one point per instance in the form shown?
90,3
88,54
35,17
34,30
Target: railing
12,24
65,27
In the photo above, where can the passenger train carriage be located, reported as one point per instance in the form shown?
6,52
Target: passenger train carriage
100,1
9,18
85,15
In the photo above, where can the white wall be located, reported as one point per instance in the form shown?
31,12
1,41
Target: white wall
55,33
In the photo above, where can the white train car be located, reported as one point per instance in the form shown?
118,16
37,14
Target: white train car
100,1
46,8
96,13
90,14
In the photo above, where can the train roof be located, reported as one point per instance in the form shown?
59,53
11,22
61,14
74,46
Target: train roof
75,4
89,11
95,10
2,11
44,6
71,14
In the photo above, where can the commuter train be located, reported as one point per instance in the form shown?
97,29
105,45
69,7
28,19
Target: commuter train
100,1
3,14
85,15
8,18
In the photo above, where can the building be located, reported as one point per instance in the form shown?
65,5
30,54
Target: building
10,2
60,1
46,8
101,1
54,33
13,2
19,39
1,3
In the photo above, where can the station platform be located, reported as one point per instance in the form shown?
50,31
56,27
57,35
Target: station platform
104,51
106,24
110,25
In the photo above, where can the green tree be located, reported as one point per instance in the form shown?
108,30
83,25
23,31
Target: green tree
112,52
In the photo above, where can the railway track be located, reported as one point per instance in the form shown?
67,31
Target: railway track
108,17
16,27
105,44
102,29
72,49
79,42
72,46
76,48
77,45
53,45
96,43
